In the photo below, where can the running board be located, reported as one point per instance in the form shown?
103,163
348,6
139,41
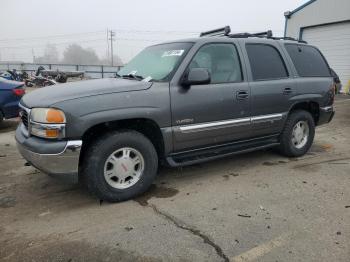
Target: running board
211,153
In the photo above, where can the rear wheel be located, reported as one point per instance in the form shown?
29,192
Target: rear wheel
120,166
298,134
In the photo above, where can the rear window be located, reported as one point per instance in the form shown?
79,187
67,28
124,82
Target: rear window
266,62
308,61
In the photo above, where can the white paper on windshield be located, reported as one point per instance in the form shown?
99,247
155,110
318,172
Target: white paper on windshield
173,53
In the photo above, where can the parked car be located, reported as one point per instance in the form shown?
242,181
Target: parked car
179,103
11,93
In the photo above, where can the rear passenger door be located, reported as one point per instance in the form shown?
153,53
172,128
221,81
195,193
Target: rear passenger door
272,86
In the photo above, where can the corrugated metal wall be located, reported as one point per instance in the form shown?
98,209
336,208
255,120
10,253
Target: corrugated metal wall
334,42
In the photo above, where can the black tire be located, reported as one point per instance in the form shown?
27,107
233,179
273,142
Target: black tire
92,171
28,83
287,147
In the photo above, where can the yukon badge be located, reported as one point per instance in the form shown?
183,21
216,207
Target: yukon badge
184,121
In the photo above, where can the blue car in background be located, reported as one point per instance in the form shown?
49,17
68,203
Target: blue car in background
11,93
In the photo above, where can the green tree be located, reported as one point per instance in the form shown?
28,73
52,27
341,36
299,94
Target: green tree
76,54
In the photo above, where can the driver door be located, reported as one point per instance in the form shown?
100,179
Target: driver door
214,113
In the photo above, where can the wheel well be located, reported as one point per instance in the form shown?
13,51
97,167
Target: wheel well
312,107
147,127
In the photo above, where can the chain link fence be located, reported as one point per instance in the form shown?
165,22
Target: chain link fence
90,71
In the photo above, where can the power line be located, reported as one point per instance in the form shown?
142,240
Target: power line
125,31
95,32
87,41
154,32
62,43
52,36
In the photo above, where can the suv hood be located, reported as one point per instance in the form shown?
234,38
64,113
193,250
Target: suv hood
50,95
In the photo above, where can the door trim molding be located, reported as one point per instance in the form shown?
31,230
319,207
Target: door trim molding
215,125
230,122
264,118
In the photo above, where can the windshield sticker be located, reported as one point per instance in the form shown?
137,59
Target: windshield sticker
173,53
133,72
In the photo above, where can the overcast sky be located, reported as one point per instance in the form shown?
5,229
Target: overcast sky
26,26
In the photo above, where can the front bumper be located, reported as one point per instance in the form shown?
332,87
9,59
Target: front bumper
50,157
326,115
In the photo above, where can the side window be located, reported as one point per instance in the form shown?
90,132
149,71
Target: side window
222,62
307,60
266,62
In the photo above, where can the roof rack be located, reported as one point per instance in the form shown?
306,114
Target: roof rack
267,34
225,31
289,38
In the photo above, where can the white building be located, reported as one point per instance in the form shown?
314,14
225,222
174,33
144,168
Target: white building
325,24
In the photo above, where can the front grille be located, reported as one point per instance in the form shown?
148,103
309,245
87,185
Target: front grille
24,117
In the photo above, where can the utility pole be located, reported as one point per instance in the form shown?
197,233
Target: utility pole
107,54
112,34
33,55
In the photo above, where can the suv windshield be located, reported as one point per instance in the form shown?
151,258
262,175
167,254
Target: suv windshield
156,62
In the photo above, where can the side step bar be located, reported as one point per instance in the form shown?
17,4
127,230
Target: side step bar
211,153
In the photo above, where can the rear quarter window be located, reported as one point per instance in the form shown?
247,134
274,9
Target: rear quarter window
266,62
308,61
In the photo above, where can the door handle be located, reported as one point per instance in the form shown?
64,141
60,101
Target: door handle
287,91
242,95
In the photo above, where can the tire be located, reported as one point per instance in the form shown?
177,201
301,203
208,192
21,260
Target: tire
28,83
288,143
95,164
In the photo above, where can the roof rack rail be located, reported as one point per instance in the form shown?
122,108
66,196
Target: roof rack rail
267,34
289,38
224,31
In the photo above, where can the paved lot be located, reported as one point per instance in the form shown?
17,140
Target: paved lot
254,207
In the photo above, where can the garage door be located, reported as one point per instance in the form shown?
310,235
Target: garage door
334,42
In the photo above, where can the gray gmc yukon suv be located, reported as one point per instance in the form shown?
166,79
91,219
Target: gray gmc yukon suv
179,103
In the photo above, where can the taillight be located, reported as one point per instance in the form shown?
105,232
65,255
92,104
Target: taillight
332,94
18,91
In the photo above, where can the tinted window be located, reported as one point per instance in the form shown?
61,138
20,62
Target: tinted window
222,62
307,60
266,62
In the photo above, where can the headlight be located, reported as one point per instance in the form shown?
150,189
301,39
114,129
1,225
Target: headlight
47,123
47,116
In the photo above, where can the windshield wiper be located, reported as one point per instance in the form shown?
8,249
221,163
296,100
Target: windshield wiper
133,76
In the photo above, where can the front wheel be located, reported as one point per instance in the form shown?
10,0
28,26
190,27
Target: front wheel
298,134
119,166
